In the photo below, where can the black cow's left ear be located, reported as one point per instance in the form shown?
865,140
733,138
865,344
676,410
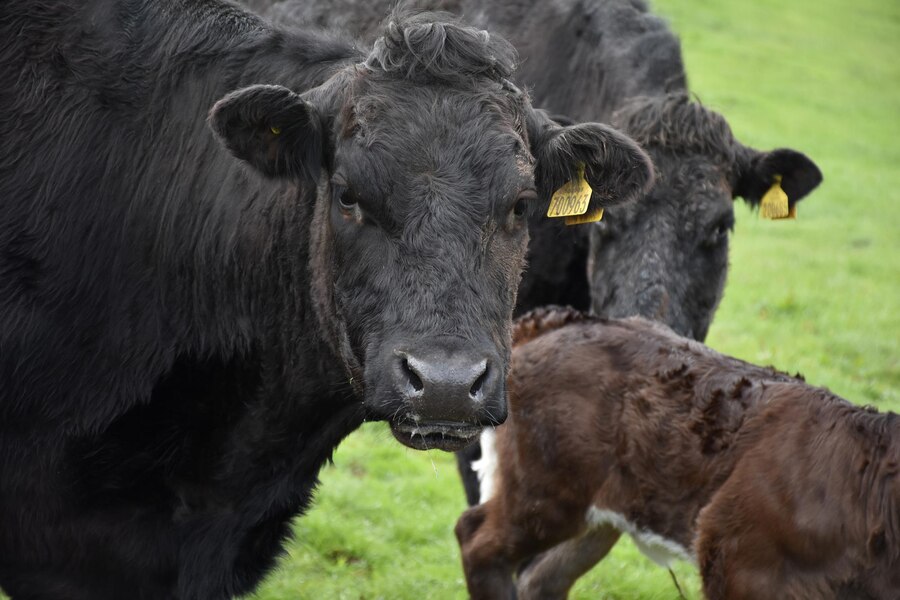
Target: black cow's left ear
759,170
616,167
273,129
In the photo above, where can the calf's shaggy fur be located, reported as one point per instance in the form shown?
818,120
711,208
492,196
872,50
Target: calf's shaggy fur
775,488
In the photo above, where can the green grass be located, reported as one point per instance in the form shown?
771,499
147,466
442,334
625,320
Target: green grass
818,295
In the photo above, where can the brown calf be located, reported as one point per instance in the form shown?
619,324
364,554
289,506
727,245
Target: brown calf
775,488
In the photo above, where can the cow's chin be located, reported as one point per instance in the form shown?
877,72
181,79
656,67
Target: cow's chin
439,435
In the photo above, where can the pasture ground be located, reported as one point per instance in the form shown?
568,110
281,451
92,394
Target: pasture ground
818,295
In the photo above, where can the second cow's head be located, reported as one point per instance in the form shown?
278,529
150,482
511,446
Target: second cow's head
423,163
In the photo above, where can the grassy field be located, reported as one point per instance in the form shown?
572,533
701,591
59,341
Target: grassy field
819,295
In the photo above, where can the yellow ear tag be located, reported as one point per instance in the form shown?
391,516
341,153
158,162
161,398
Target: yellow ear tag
774,204
275,130
572,198
589,217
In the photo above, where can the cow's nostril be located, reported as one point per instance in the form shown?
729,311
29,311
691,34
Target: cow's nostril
414,380
445,382
475,390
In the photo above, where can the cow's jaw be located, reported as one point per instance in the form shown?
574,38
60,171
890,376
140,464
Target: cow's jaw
447,436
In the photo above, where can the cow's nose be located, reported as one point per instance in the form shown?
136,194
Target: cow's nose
445,379
447,387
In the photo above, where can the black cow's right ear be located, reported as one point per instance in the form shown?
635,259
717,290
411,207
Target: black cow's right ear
273,129
616,167
798,174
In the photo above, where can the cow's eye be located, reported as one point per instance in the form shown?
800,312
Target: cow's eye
345,197
719,233
346,200
523,200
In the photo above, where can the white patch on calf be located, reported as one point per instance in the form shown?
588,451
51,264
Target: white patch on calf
486,466
657,548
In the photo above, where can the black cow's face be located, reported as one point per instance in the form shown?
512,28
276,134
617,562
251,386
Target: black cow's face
419,233
426,202
666,257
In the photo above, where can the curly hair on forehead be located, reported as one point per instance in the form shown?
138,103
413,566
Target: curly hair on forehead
437,47
675,122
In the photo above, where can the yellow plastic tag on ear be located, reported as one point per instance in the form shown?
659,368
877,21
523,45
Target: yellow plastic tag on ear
589,217
774,204
572,198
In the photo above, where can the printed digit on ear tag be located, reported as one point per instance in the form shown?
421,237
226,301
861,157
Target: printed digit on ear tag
572,198
774,204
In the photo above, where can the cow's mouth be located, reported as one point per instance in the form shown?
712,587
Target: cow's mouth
435,435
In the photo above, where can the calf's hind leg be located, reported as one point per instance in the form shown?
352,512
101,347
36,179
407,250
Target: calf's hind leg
552,574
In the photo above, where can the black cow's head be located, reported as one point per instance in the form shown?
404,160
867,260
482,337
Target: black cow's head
426,161
666,257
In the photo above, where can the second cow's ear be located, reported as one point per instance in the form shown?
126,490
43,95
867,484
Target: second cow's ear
759,170
271,128
616,167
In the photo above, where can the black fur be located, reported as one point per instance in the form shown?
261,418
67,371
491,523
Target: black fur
186,332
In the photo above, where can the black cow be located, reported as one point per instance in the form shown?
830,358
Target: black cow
185,338
613,61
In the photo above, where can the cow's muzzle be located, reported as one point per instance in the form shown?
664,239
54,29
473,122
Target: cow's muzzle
439,394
